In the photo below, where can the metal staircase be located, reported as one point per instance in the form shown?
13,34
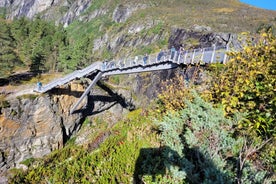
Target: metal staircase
163,60
67,78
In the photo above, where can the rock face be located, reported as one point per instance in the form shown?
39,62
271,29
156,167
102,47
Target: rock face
5,3
65,11
28,8
31,127
123,12
75,9
61,11
198,39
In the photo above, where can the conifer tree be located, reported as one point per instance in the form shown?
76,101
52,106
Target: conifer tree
8,57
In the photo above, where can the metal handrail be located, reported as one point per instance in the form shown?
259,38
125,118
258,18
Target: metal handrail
204,55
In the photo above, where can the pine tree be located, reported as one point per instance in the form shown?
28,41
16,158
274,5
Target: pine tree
8,57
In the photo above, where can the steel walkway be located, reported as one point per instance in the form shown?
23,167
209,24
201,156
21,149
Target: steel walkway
163,60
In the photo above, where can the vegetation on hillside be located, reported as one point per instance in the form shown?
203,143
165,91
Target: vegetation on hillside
156,18
247,84
199,138
30,46
8,57
110,161
222,132
41,46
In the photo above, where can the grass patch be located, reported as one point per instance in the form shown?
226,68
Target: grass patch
28,96
44,78
86,121
3,12
71,141
116,155
115,79
93,29
96,5
28,162
157,29
3,102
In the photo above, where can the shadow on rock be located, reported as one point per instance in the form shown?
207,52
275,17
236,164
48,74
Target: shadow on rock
107,101
17,78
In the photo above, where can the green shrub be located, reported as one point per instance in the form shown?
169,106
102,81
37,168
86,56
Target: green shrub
247,84
200,147
4,103
112,160
28,162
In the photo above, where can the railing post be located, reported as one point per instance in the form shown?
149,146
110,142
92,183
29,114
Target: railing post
185,57
225,54
178,59
127,62
213,54
193,57
203,52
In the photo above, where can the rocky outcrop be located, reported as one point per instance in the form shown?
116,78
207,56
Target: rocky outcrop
28,8
65,11
5,3
61,11
75,9
115,43
201,38
31,126
123,12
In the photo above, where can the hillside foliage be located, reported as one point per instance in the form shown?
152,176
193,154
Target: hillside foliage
201,137
40,46
247,84
98,161
221,131
245,88
201,147
30,45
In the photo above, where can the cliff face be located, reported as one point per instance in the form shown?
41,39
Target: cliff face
64,11
5,3
61,11
35,126
31,126
28,8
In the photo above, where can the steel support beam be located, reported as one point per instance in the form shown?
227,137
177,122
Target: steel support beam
95,80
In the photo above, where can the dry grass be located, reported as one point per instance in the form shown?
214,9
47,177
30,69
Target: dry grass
220,15
26,87
44,78
223,10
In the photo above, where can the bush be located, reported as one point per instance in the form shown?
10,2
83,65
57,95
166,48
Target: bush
200,146
110,157
247,84
176,90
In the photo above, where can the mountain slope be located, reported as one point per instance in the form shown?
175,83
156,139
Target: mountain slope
229,16
107,29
